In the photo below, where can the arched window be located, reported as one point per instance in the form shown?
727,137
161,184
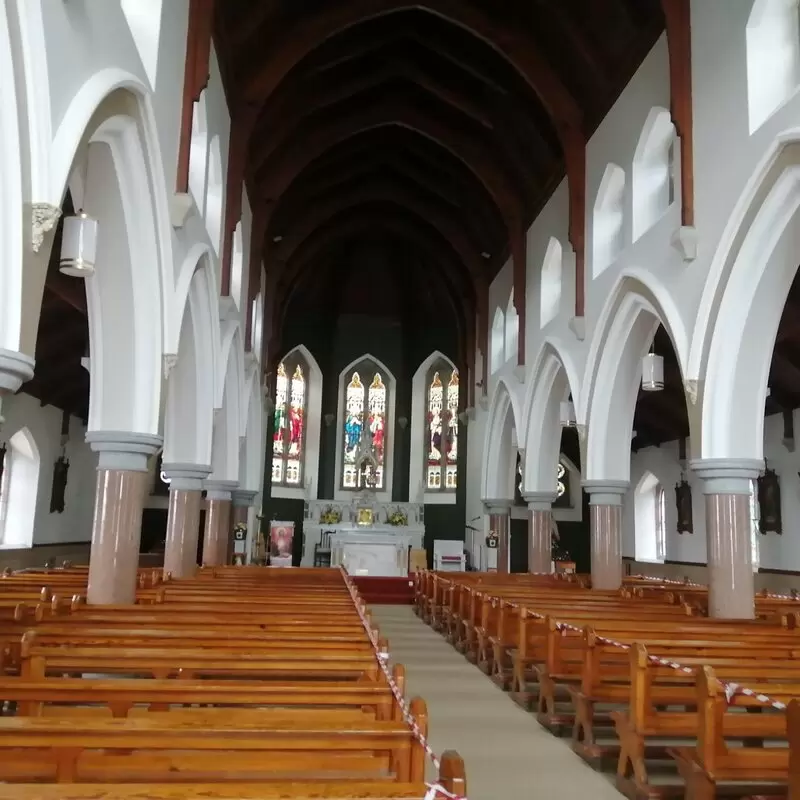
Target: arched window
364,427
19,487
144,20
289,430
198,154
653,186
441,458
608,220
512,330
773,57
498,340
550,295
650,519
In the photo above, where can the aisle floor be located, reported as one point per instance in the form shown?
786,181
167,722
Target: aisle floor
506,752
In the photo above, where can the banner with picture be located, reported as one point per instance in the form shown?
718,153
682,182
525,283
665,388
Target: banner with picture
281,539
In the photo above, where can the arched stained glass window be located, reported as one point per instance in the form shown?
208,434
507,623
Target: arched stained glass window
289,430
364,442
441,460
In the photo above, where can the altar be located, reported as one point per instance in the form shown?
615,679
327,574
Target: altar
360,536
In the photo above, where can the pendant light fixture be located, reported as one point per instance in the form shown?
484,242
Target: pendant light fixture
78,245
652,373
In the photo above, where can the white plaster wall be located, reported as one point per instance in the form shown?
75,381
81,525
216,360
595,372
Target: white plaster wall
44,423
775,552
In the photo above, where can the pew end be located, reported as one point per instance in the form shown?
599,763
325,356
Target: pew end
452,776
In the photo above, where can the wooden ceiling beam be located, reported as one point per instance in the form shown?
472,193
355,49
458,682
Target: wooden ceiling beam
291,161
69,290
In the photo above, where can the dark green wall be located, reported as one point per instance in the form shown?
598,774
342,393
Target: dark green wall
337,342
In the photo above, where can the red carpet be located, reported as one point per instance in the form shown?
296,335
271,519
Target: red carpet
385,591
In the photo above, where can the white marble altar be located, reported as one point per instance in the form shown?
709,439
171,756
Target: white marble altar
374,546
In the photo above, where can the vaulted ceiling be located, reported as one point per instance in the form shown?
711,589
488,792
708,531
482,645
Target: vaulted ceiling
441,126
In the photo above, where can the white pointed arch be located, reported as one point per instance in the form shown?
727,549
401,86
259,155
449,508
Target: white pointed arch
752,274
144,20
416,470
553,378
227,426
625,329
215,194
652,179
191,387
608,219
501,444
198,154
313,428
384,495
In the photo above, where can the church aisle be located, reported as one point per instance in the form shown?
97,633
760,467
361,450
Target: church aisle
504,748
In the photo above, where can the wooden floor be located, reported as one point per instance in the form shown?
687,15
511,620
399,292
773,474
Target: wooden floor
506,752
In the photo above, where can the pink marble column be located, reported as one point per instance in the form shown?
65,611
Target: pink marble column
499,521
183,519
727,486
605,525
540,526
218,522
117,524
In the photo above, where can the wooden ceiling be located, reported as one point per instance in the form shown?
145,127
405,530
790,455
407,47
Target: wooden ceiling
400,120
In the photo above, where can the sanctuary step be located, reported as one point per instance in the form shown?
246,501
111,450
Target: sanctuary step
385,591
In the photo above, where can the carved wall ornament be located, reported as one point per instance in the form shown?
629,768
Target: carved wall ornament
691,389
581,433
769,501
170,360
44,217
683,504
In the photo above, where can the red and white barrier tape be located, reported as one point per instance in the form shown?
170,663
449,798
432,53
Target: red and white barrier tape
434,790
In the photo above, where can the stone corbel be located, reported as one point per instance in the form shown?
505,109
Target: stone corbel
691,387
684,240
179,207
578,326
169,362
44,217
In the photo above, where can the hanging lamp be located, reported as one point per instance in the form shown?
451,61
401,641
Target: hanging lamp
78,245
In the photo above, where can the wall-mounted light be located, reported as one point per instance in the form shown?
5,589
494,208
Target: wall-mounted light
463,418
403,422
329,418
652,373
277,239
78,245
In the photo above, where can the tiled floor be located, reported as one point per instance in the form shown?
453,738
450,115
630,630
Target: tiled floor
506,752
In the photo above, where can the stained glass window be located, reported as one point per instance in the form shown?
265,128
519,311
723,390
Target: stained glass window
441,459
288,436
364,439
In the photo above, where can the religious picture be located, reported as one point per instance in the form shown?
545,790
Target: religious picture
279,432
354,415
281,538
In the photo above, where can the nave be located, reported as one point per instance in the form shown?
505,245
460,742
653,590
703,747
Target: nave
507,752
641,680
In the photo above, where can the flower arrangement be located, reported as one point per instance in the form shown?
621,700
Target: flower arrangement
330,516
397,518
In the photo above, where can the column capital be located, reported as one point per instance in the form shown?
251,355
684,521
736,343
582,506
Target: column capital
220,490
186,477
539,501
243,498
15,369
123,450
727,475
498,506
605,492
